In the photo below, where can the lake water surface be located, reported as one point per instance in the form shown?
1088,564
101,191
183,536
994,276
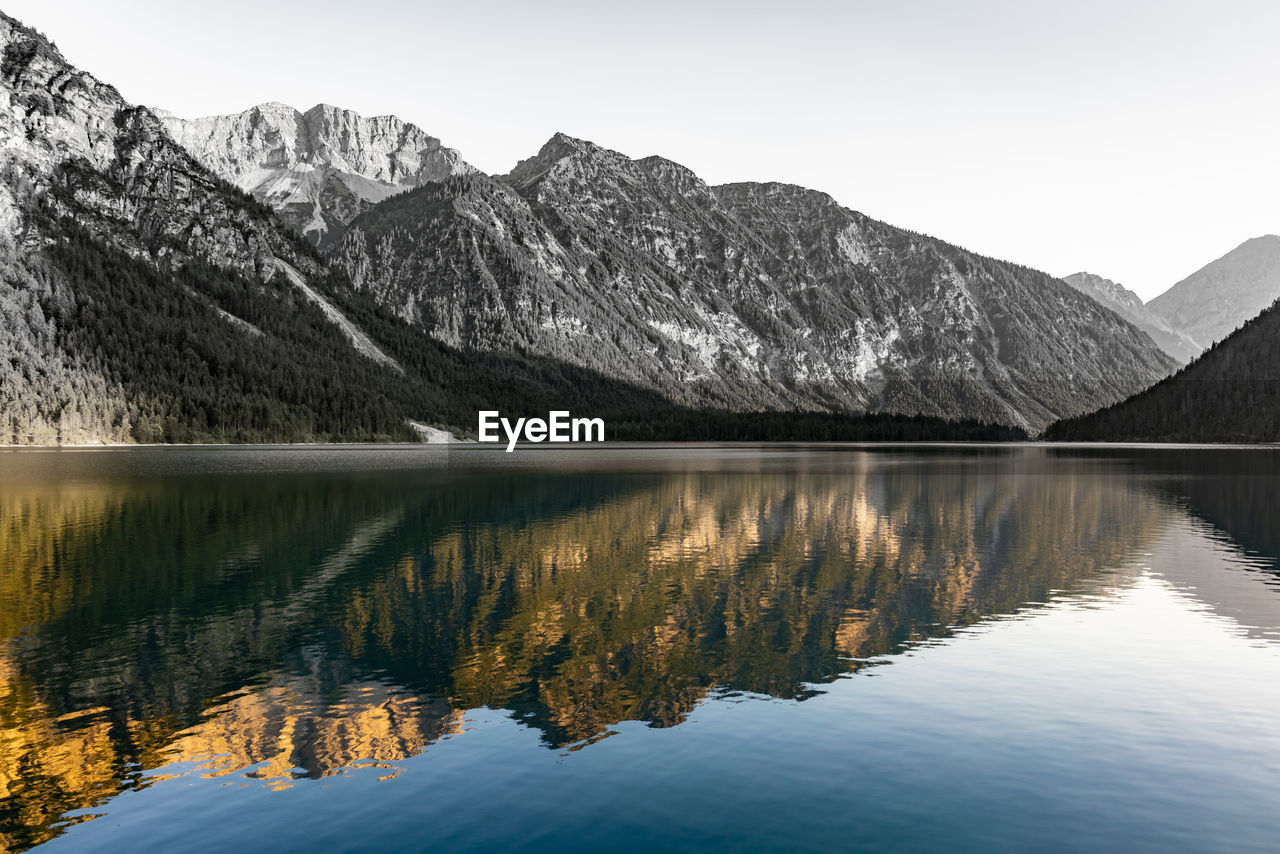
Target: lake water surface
636,649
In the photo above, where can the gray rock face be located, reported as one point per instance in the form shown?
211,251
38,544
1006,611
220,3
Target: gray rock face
745,296
116,170
317,169
1124,302
1218,298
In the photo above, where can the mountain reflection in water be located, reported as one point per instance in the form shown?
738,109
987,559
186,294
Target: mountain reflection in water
180,611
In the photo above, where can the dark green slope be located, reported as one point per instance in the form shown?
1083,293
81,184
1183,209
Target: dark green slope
187,374
1230,394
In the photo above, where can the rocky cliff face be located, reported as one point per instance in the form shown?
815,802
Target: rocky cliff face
143,296
317,169
747,296
1124,302
1217,299
113,167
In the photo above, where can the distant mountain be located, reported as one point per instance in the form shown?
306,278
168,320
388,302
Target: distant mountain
1215,300
1230,394
746,296
317,169
1128,305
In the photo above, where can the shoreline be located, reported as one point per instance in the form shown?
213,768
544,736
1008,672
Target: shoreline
472,444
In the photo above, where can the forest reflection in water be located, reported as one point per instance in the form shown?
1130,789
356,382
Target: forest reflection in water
283,616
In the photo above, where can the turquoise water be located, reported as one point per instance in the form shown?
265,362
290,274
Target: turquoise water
636,649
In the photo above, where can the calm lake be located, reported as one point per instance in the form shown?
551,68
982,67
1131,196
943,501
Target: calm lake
640,649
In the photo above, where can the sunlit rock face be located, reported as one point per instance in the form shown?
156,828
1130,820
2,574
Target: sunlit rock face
747,296
295,728
114,166
318,169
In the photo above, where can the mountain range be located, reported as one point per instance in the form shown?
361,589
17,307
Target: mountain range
748,296
1176,345
279,274
317,169
144,298
739,297
1203,308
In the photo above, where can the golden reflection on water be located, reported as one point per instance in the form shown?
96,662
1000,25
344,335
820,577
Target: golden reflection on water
306,626
293,728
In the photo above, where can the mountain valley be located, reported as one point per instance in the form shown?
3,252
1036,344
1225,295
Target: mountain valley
287,275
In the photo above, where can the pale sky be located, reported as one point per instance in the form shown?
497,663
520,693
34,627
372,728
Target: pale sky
1137,140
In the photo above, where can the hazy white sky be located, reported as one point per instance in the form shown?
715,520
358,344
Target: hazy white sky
1138,140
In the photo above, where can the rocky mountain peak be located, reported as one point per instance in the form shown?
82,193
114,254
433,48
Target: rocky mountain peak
51,113
320,168
608,182
22,44
74,143
1114,292
564,156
